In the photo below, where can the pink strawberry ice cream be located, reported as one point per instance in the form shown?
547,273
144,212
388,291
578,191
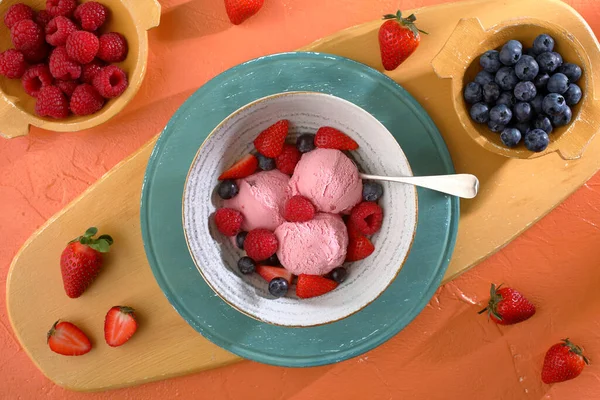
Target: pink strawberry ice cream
314,247
329,179
261,199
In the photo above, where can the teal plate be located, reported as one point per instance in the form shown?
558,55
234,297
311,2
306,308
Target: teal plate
162,229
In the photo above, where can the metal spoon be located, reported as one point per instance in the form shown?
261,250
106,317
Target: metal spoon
461,185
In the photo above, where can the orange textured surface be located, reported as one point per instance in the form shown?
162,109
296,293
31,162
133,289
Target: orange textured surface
448,352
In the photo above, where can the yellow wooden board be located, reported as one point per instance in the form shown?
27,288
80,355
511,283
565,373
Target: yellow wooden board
514,194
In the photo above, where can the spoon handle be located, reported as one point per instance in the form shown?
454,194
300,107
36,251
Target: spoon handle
461,185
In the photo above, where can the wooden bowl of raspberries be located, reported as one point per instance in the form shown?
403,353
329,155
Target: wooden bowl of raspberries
69,65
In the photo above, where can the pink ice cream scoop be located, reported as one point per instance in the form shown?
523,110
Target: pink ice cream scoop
329,179
314,247
261,199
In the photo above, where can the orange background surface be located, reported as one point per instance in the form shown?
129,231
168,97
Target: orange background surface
448,352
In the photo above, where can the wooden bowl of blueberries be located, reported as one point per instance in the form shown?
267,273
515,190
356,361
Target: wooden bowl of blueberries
521,89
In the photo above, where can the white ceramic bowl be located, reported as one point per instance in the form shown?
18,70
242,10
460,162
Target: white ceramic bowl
215,255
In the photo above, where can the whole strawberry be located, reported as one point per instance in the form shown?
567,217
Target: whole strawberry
398,39
240,10
563,361
81,261
507,306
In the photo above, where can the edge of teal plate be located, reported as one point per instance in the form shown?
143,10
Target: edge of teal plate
322,359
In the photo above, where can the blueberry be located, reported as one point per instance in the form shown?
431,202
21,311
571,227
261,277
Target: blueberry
547,61
541,81
240,238
573,94
563,118
527,68
484,77
480,113
510,137
278,287
490,61
536,103
339,274
559,58
246,265
495,127
511,52
542,122
227,189
558,83
543,43
572,71
473,94
272,261
523,127
265,163
506,98
553,104
523,111
506,78
491,92
306,142
536,140
372,191
525,91
500,114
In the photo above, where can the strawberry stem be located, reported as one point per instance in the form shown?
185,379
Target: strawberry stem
408,22
573,348
101,244
495,298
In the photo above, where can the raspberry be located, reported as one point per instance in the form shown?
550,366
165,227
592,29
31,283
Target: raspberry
61,7
113,47
111,82
298,209
89,71
16,13
42,18
26,35
287,160
35,78
62,67
260,244
58,31
82,46
38,55
51,102
67,87
367,217
12,64
359,247
91,15
86,100
229,221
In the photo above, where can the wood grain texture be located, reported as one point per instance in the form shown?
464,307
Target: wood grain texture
165,345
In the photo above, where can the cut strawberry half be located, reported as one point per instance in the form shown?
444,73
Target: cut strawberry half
270,141
313,285
359,247
119,325
330,138
268,273
67,339
241,169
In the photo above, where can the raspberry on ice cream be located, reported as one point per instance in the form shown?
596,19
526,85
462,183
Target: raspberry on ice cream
314,247
261,199
329,179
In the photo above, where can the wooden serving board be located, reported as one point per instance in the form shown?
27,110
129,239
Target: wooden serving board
514,194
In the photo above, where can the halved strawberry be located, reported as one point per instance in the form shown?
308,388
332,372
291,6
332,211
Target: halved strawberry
268,273
330,138
241,169
67,339
270,141
313,285
119,325
359,247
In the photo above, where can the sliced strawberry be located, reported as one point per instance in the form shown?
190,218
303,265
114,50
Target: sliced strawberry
119,325
330,138
268,273
359,247
241,169
270,141
313,285
67,339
